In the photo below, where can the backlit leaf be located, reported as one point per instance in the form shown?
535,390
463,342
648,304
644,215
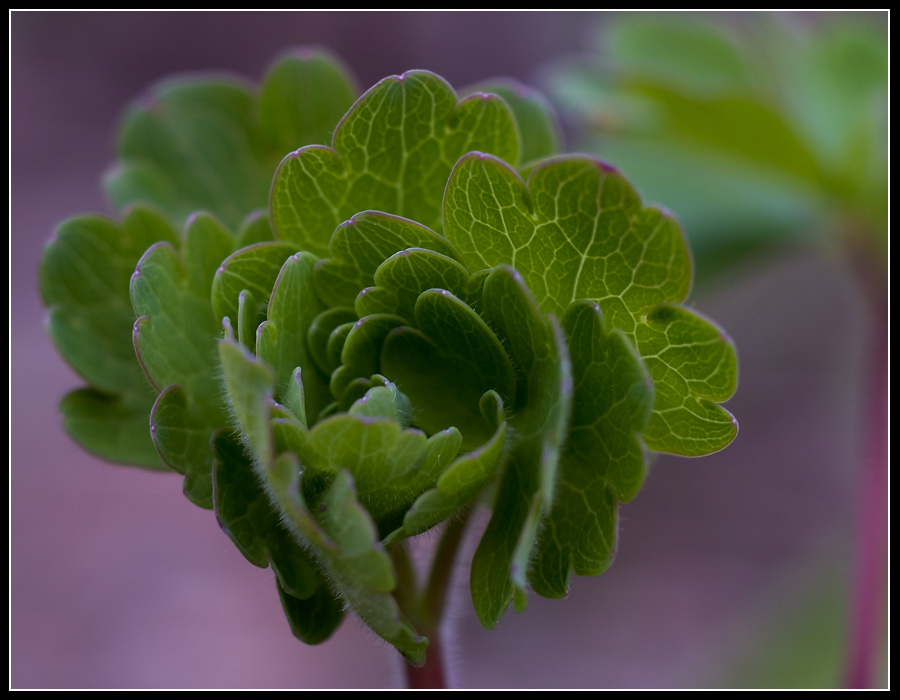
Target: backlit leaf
392,152
577,230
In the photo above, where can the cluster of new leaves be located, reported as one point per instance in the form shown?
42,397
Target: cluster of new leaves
440,309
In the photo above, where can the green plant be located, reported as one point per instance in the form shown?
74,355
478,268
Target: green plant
437,311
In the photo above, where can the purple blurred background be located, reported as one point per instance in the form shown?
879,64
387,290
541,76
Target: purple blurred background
118,581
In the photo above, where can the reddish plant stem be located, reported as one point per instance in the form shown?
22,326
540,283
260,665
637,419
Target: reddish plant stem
867,614
430,676
426,610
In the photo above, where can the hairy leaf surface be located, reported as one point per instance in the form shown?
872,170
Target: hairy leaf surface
360,568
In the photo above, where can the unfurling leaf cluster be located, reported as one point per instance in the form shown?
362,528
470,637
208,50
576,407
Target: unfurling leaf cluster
435,311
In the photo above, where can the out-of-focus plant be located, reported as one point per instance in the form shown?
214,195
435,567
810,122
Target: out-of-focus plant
436,311
762,131
756,130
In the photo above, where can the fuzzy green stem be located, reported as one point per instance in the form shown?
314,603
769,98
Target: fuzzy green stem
442,569
425,609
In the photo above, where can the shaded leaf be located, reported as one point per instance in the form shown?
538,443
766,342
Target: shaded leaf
405,275
112,427
319,334
214,143
250,384
175,340
295,402
84,278
461,481
254,229
312,620
245,514
604,459
540,416
282,339
612,401
182,438
451,354
192,148
539,133
359,246
361,354
302,98
85,275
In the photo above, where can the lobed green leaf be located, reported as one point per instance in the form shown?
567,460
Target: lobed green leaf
181,435
461,481
84,278
254,269
694,366
361,353
175,341
539,420
250,385
281,340
577,230
539,132
111,426
361,569
391,466
604,459
245,514
404,276
393,152
451,354
213,144
360,245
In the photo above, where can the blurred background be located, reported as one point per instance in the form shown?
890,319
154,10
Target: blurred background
733,569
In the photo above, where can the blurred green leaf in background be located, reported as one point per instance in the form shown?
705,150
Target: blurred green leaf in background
758,129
